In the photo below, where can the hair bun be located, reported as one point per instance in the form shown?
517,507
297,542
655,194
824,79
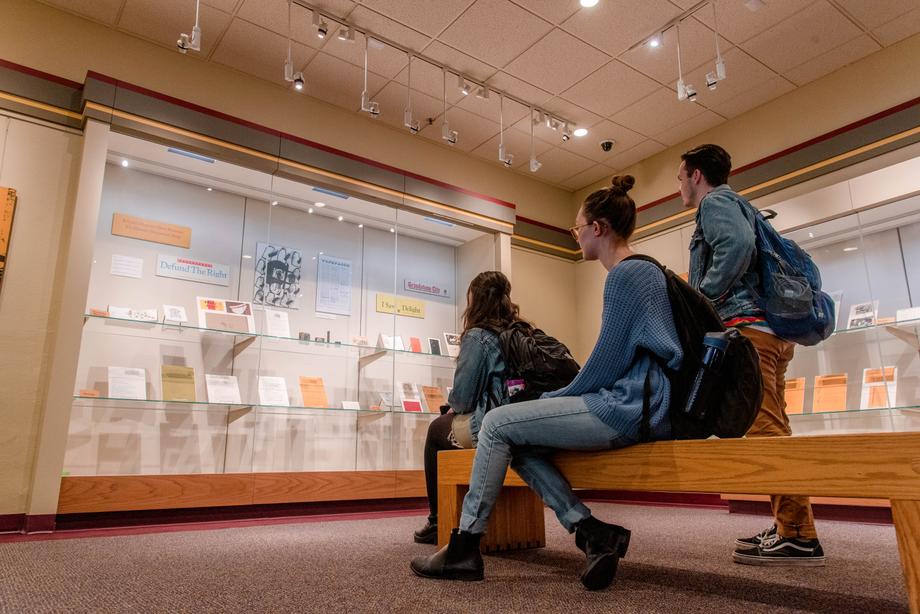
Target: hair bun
623,183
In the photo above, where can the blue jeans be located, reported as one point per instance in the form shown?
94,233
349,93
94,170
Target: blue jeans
524,435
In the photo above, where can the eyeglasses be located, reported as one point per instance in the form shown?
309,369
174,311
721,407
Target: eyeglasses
574,229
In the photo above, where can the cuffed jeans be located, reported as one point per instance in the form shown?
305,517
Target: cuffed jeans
524,435
792,514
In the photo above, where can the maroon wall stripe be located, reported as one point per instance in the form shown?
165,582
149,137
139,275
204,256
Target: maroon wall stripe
41,75
527,220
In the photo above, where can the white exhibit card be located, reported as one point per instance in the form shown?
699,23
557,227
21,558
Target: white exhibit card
127,313
906,315
127,266
452,341
863,315
174,313
273,391
277,323
223,389
351,405
385,342
127,383
333,285
879,388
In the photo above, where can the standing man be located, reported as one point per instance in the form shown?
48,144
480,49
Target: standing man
723,266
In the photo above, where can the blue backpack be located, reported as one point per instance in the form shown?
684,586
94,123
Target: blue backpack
790,293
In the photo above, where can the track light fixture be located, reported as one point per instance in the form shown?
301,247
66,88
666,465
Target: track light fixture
685,91
346,34
482,93
322,28
408,121
566,133
464,86
655,40
505,158
289,75
368,106
713,78
534,163
192,41
446,133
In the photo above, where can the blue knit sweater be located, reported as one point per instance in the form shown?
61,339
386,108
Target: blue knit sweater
636,317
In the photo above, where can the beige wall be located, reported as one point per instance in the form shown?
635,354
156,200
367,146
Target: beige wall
41,164
81,45
544,287
878,82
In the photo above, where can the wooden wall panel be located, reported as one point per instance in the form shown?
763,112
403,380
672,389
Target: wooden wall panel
410,484
152,492
294,487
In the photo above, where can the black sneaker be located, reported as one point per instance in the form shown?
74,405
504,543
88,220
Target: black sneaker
782,551
427,534
753,542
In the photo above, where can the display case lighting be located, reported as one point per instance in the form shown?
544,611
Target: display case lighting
124,163
341,218
320,205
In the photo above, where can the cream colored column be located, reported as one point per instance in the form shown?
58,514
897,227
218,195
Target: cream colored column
503,254
67,323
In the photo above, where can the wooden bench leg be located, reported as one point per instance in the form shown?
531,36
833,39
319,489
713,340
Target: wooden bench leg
906,515
516,522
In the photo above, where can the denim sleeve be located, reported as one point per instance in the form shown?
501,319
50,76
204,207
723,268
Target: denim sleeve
731,238
470,374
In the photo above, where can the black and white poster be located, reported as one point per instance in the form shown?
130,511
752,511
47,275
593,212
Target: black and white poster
277,276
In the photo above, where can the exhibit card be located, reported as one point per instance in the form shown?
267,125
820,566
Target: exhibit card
273,391
127,266
333,285
795,395
223,389
434,398
879,388
225,315
830,393
452,341
313,392
127,383
434,346
863,315
193,269
178,383
174,313
277,323
151,230
127,313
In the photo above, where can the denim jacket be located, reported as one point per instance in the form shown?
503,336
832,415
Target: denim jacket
479,381
723,253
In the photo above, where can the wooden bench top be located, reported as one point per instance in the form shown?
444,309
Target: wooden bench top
873,465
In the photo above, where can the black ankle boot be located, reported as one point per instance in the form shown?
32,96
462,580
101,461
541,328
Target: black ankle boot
603,545
427,534
458,560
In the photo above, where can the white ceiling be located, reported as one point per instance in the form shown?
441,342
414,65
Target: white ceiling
569,60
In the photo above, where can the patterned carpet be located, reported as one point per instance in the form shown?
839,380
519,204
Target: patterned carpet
679,561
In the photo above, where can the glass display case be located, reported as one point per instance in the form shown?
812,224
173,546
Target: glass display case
241,321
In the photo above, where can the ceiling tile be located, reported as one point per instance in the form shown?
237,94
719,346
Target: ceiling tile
430,79
495,31
516,143
660,111
273,15
585,178
518,88
743,73
610,89
816,30
872,13
469,66
690,128
557,62
420,14
738,24
385,27
473,130
163,20
697,46
259,52
381,59
832,60
105,11
559,164
589,145
392,100
761,93
617,26
555,11
227,6
338,82
638,153
489,108
899,29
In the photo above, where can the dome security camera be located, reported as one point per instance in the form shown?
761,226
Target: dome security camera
607,144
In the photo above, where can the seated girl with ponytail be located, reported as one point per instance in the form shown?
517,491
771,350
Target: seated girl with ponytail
601,409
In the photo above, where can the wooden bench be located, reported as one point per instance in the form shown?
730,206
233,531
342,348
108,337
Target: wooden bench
877,466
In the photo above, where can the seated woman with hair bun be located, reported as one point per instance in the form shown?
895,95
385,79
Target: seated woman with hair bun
600,410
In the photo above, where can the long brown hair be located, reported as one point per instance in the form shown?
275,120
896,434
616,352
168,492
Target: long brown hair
490,305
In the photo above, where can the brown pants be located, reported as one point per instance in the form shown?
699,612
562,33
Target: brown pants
792,513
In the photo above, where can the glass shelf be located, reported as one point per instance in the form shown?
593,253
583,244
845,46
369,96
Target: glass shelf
852,411
195,334
159,404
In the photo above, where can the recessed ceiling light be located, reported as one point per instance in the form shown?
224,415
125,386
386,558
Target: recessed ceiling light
247,257
274,203
589,3
310,210
210,189
580,131
320,205
850,249
360,225
811,235
392,230
124,163
341,218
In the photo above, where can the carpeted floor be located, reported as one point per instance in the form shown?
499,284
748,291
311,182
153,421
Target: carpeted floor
679,561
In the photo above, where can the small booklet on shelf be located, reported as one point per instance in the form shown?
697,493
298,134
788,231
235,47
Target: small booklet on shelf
434,398
225,315
415,344
409,397
879,387
863,315
273,391
795,395
127,383
830,393
277,323
223,389
434,346
313,392
174,314
452,342
128,313
907,315
178,383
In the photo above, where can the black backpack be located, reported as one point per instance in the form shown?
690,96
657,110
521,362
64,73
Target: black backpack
541,361
733,403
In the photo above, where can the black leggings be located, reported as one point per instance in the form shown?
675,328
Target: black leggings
439,438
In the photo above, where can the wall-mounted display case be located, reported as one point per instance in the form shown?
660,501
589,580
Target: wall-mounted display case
243,322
